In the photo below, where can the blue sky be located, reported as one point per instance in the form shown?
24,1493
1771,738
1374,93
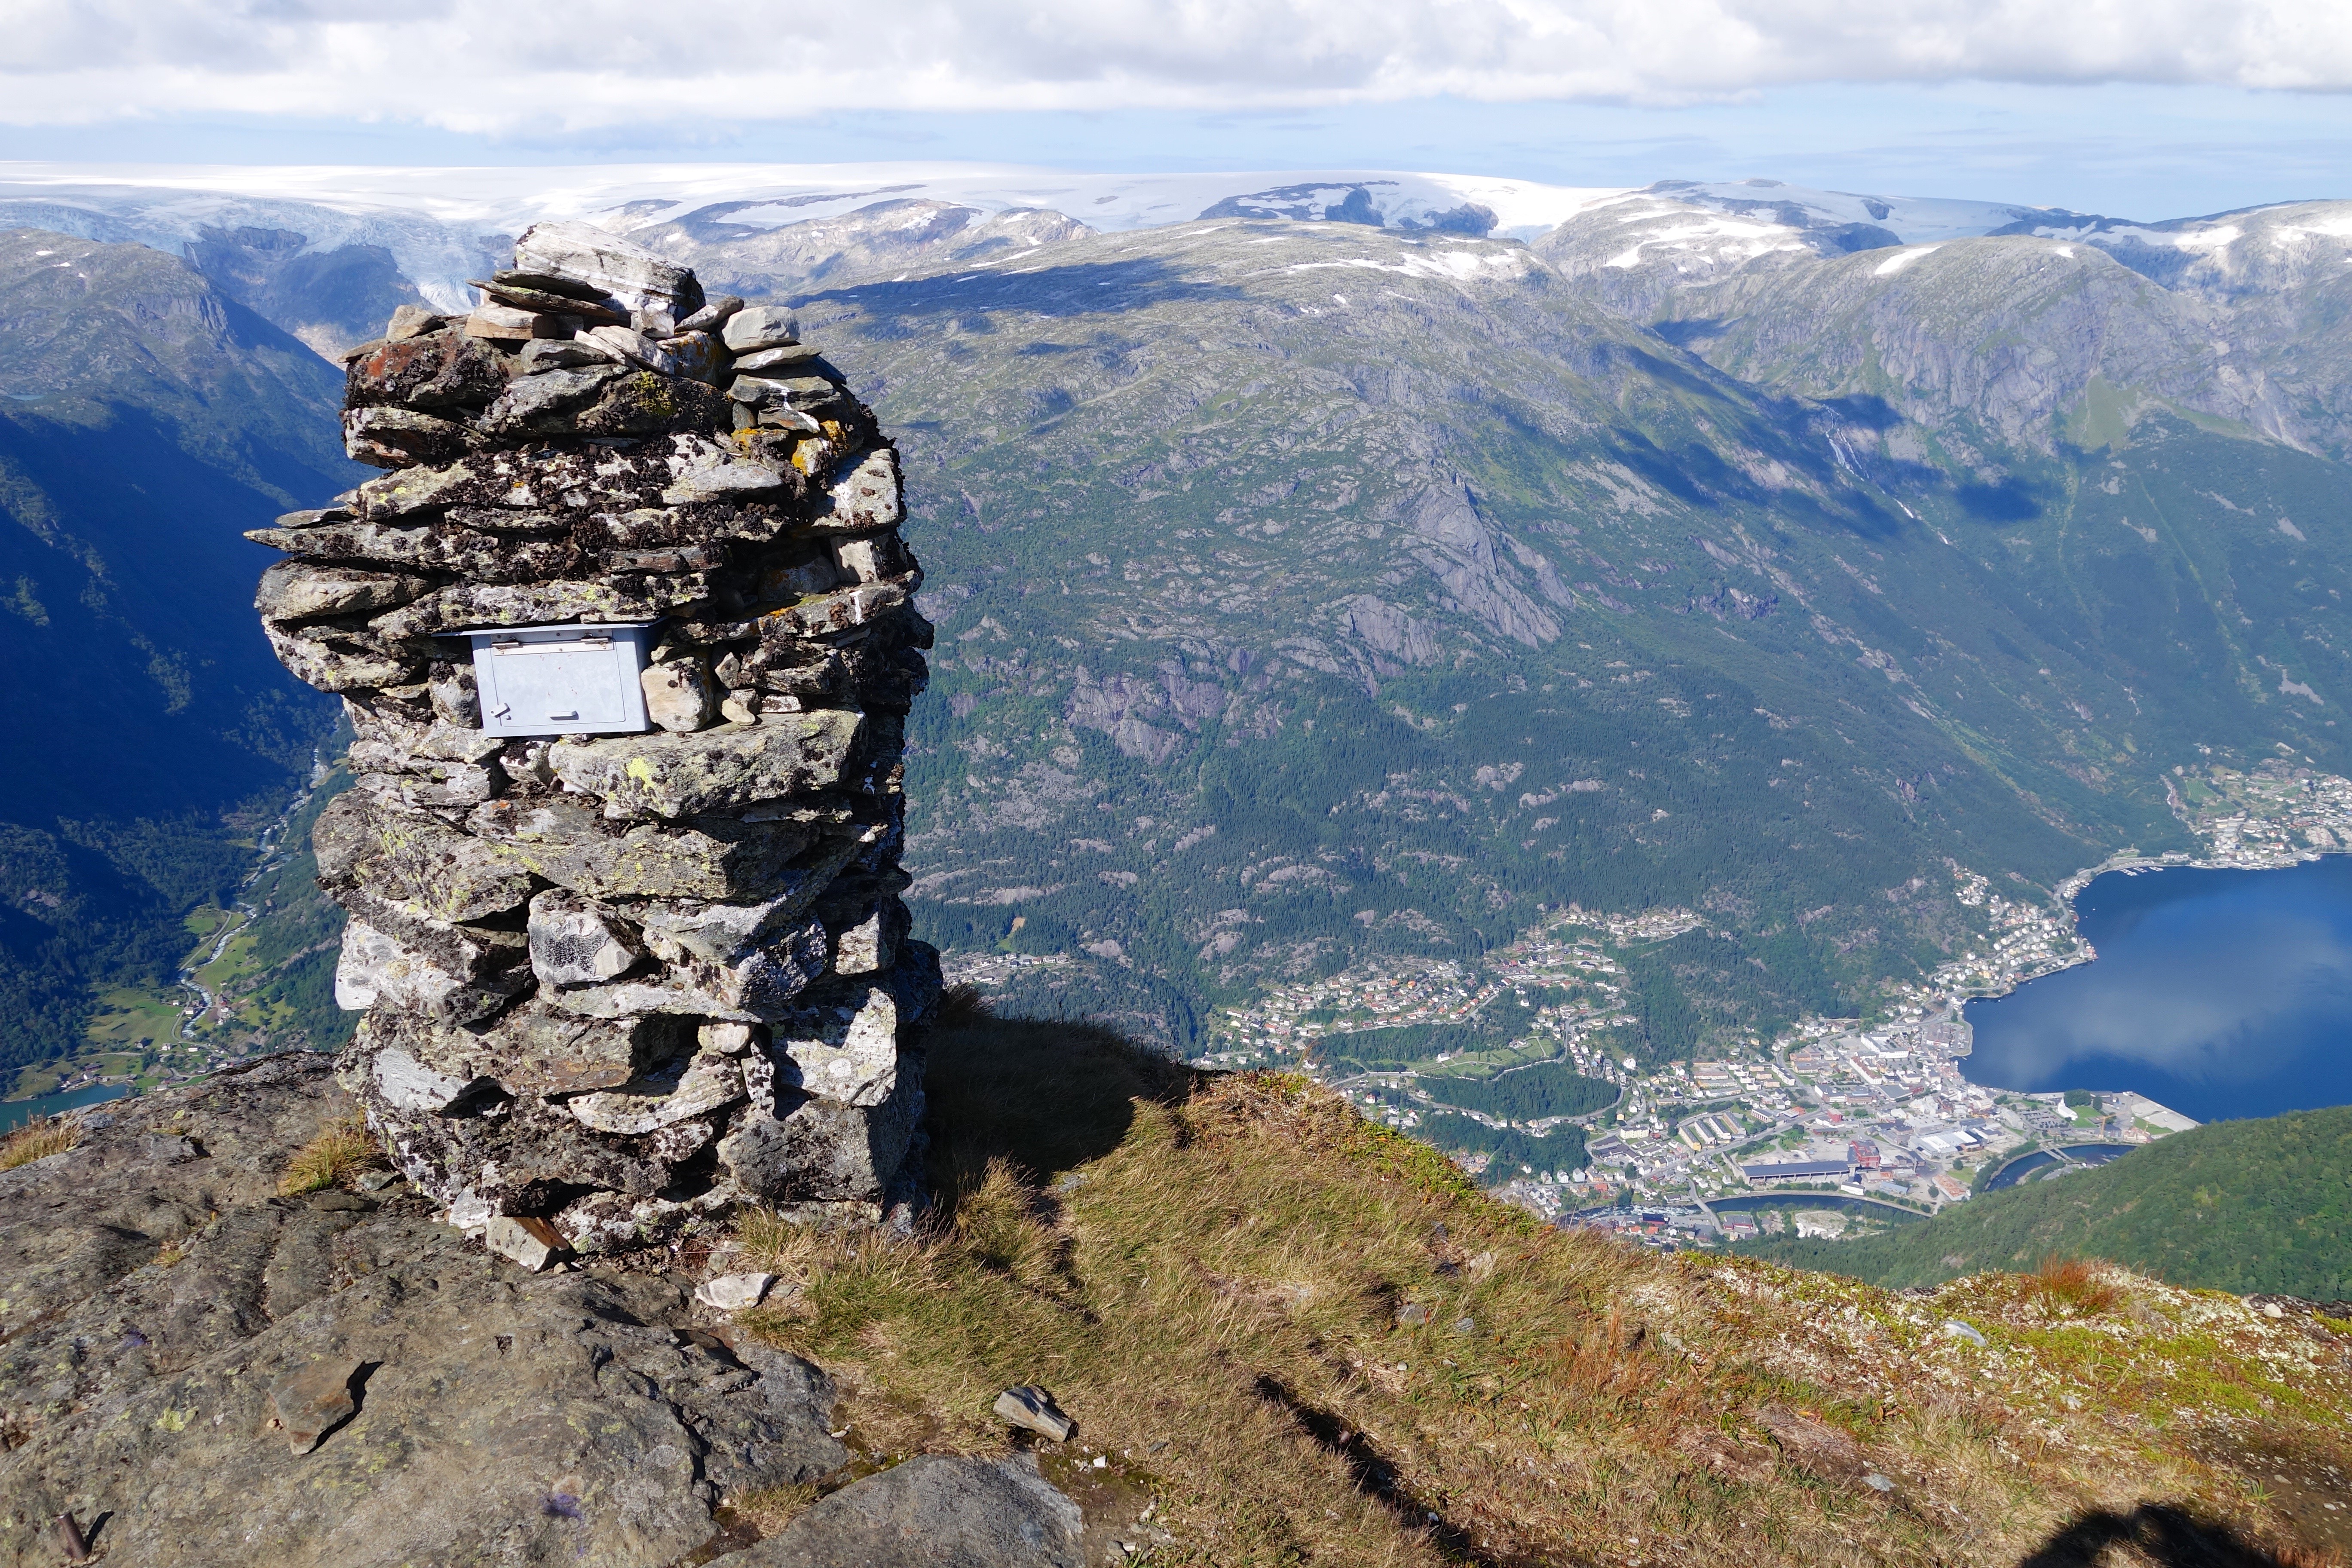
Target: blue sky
2167,109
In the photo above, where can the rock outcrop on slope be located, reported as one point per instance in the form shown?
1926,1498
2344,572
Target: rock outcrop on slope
199,1371
618,982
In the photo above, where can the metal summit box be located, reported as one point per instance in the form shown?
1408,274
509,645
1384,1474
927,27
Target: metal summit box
561,680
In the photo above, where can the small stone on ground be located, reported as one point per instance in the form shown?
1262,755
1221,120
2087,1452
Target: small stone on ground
1033,1408
312,1401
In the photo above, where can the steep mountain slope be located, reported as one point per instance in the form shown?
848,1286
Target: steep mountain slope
1315,590
327,273
1307,592
2238,1205
151,732
2242,318
1331,1351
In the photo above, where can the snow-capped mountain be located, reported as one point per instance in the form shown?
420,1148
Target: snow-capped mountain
327,252
435,226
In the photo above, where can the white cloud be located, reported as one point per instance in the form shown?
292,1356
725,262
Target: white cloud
495,65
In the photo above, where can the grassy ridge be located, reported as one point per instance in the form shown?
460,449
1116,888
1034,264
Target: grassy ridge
2239,1206
1290,1337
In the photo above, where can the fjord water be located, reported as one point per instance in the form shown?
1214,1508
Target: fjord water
2219,994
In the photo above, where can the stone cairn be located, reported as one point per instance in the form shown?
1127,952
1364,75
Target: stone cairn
616,984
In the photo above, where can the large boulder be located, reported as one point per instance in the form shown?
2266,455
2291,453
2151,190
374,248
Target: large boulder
183,1346
933,1511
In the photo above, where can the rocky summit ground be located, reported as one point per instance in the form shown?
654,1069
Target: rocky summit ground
1285,1336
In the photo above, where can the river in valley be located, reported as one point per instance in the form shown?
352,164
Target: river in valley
2219,994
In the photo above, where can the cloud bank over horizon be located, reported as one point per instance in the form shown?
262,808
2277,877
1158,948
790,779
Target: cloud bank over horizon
503,66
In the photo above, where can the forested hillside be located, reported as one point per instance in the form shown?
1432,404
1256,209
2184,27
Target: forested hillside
150,733
2238,1205
1307,592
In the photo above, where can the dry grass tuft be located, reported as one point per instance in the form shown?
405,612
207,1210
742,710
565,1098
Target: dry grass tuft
770,1508
343,1147
1207,1272
37,1140
2074,1282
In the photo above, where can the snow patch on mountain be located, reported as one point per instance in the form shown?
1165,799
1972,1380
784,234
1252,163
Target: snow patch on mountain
1901,260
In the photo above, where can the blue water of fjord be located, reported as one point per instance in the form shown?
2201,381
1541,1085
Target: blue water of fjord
2219,994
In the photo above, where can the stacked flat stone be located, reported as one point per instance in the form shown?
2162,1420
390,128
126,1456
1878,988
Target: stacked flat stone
616,983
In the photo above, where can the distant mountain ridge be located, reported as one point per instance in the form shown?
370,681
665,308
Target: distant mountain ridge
349,234
1313,589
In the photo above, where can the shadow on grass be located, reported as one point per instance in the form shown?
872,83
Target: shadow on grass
1375,1476
1045,1096
2159,1533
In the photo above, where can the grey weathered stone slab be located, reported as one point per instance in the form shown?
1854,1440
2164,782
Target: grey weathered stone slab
717,770
725,479
517,295
398,438
774,361
334,664
549,400
376,969
696,355
483,556
470,951
378,723
311,517
633,347
821,1151
565,840
307,590
419,490
531,1048
441,371
557,354
682,929
585,255
647,403
864,497
713,315
468,605
415,860
847,1053
504,323
757,326
574,942
399,1080
756,987
829,614
710,1081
